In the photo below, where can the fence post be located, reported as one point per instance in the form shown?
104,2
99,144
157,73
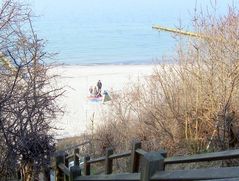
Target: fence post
18,175
152,162
60,158
164,154
86,165
108,161
135,157
66,178
76,157
75,170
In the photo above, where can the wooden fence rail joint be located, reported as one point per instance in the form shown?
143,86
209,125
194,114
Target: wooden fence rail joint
75,172
76,157
86,165
135,157
108,161
152,162
59,161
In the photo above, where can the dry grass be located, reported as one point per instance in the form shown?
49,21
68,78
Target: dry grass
189,104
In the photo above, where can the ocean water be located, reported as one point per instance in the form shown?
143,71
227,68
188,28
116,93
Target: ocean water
112,31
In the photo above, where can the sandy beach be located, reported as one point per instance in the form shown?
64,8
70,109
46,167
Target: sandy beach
77,79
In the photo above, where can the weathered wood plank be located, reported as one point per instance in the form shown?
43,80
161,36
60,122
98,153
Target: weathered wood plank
113,156
66,178
153,166
69,156
135,157
59,159
76,157
224,179
204,157
197,174
108,161
120,155
77,154
74,172
141,151
152,162
113,177
86,165
64,169
100,159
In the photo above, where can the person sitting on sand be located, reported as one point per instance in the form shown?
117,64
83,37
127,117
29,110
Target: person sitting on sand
91,90
95,92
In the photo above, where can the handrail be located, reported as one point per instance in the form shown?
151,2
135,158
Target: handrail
78,155
116,155
64,169
153,167
110,156
113,177
229,154
141,151
119,177
224,173
70,156
179,159
120,155
100,159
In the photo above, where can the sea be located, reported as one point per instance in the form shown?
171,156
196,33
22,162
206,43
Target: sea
91,32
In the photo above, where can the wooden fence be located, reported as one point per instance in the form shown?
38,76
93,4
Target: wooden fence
152,168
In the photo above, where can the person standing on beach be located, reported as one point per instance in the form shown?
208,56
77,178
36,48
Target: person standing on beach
99,86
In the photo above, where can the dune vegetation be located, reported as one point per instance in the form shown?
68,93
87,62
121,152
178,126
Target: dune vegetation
190,103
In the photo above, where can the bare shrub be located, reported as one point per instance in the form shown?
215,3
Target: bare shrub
188,104
27,97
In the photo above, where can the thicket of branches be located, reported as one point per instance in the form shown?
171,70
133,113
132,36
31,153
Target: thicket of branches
190,103
27,97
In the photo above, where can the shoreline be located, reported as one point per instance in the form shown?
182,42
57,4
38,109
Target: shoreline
106,64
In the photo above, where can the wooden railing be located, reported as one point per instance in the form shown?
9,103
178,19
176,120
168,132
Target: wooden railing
152,168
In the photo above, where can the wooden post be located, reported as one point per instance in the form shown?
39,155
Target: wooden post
86,165
18,175
108,161
163,153
76,158
75,171
47,174
66,178
152,162
135,157
60,159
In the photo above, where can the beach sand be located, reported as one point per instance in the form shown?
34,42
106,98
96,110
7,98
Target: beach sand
76,81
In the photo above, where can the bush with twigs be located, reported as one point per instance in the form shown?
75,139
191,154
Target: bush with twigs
190,103
27,96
